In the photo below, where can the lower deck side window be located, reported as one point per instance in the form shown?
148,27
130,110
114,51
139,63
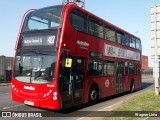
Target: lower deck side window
95,68
131,68
109,68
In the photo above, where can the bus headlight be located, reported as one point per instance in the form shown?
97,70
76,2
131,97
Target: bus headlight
13,86
15,89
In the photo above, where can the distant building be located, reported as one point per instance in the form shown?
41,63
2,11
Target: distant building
144,62
5,65
155,38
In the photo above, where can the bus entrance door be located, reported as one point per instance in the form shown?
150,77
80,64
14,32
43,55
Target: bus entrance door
72,82
119,77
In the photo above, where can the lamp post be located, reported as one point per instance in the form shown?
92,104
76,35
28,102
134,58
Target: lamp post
156,59
159,74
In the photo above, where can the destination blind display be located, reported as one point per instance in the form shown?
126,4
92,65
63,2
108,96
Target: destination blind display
38,40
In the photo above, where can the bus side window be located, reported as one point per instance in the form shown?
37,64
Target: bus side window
96,28
80,69
79,20
109,68
110,35
138,44
120,38
132,68
132,42
91,28
126,68
124,40
127,40
95,68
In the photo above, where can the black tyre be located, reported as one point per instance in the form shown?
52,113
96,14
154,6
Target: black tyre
93,95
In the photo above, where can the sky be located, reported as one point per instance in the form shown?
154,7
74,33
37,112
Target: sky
130,15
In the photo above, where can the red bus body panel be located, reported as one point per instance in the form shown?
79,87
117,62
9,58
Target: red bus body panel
69,37
20,94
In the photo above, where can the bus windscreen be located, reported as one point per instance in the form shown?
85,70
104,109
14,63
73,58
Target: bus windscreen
41,28
35,67
46,18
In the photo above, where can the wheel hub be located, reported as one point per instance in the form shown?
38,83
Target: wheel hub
94,95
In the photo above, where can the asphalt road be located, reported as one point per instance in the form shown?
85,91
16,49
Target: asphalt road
76,113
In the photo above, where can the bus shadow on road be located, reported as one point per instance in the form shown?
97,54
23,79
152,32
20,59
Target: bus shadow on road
145,85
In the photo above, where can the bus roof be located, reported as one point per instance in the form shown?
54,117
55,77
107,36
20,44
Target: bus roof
73,5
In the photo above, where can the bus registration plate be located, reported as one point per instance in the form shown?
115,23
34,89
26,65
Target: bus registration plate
28,102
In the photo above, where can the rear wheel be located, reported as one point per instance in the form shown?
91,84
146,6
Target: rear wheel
93,95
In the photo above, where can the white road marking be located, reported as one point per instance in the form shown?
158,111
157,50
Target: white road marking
4,108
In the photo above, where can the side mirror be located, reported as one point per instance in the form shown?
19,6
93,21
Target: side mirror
68,62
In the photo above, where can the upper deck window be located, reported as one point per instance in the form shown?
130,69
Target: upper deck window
120,38
138,44
127,40
132,42
45,18
96,27
79,20
110,35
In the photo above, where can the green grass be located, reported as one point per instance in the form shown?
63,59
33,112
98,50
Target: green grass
144,102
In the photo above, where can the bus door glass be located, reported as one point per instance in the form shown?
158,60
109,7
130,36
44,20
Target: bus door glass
72,77
119,77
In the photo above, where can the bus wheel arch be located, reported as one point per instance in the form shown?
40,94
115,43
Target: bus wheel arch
132,86
94,93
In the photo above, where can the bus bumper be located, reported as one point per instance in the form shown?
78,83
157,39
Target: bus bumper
47,103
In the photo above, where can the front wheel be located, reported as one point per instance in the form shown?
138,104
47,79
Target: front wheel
93,95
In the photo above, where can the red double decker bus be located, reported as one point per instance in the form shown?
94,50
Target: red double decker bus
67,56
